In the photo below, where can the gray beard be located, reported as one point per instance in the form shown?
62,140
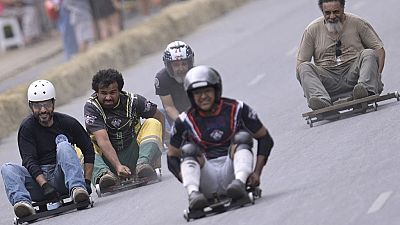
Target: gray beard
334,27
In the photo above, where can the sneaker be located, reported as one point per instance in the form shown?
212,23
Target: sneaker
236,190
79,194
145,170
197,200
316,103
107,180
23,209
360,91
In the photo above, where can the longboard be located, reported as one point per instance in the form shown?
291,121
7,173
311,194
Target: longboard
67,204
128,184
351,107
222,204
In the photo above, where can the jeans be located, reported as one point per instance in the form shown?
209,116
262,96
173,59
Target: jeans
65,175
67,33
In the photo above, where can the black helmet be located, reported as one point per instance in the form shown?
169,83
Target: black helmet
200,77
176,51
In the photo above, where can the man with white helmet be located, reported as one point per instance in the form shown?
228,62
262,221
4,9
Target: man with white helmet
50,166
210,150
178,59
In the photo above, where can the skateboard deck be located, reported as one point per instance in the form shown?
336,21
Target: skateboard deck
128,184
66,204
222,204
361,105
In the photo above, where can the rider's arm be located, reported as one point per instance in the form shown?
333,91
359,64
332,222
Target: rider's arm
84,143
106,147
264,146
381,59
169,106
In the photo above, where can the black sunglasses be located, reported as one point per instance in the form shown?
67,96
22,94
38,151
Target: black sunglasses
338,50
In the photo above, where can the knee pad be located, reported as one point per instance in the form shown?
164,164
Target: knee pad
243,140
190,151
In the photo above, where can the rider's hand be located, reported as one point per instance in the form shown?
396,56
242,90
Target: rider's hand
50,192
253,180
123,171
88,185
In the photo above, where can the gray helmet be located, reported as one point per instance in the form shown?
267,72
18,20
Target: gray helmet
200,77
177,51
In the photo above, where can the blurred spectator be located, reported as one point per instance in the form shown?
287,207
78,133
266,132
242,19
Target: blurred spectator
26,12
146,4
107,17
57,12
81,20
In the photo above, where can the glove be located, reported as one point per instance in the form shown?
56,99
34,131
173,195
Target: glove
49,192
88,185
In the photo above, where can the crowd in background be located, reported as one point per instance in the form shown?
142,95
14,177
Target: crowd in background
79,22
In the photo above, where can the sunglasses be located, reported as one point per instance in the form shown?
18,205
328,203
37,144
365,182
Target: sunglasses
39,105
338,50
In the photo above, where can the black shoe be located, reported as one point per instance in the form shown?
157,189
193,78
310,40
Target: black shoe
236,190
197,201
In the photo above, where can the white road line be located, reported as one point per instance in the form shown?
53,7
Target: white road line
256,79
379,202
292,52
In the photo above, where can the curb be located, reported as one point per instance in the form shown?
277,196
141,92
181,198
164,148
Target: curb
73,79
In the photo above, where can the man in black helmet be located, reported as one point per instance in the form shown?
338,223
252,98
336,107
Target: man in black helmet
210,150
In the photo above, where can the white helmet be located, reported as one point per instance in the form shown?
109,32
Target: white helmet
41,90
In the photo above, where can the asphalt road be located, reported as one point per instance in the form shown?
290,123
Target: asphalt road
342,172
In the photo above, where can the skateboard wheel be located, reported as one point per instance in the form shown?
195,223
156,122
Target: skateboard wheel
258,193
251,198
15,221
397,95
159,174
309,122
98,192
186,215
375,106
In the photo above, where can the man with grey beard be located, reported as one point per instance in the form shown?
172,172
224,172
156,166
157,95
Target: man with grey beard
348,57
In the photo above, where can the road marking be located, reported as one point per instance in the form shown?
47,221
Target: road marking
379,202
292,52
256,80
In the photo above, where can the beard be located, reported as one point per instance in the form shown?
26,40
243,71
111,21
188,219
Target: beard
45,119
334,27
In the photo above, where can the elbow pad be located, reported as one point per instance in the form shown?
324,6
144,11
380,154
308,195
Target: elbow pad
265,145
174,165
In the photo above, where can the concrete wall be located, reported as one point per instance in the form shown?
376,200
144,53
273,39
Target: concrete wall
73,78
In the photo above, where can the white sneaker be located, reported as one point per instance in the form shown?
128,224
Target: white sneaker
23,209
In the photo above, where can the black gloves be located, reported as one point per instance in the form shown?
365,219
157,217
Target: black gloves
88,186
49,192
